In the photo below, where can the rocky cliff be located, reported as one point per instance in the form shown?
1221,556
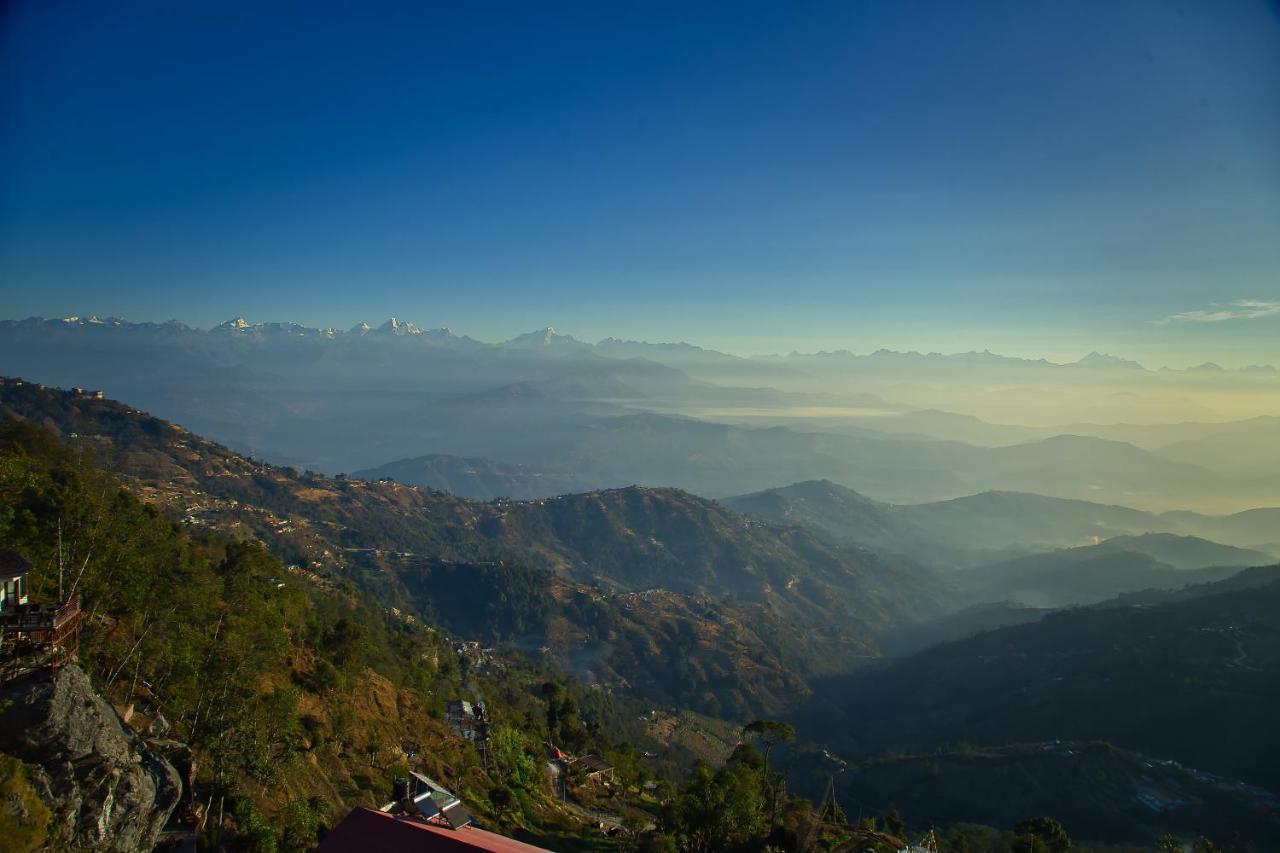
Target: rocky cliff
106,789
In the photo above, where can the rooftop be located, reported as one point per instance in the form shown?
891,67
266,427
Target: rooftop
593,763
369,831
12,563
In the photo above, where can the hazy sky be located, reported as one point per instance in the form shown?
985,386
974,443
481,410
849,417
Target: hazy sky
1040,178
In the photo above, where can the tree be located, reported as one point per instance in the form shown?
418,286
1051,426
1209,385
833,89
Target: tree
720,809
832,813
1045,830
770,733
553,693
894,824
970,838
511,755
299,822
346,644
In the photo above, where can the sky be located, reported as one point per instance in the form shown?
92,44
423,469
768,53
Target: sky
1037,178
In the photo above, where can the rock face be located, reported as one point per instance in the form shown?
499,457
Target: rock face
106,789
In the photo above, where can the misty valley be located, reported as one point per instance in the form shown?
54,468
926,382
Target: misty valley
1074,620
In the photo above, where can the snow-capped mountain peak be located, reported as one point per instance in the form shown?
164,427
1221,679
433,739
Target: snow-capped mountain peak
399,328
546,337
1098,359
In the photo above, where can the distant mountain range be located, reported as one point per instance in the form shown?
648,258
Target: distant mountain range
1078,576
480,479
614,413
980,528
549,339
718,459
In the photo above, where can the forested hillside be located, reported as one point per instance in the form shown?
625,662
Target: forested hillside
742,612
299,698
1193,680
1076,576
300,695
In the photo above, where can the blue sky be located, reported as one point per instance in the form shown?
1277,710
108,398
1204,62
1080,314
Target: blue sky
1039,178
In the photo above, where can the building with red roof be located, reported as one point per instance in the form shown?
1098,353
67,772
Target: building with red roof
372,831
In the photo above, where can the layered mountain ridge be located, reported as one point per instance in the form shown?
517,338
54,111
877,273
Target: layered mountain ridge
983,527
617,412
576,574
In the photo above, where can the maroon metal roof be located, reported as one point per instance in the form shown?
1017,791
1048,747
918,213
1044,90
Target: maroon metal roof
370,831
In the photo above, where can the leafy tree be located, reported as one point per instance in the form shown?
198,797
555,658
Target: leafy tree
770,733
501,796
299,823
970,838
346,643
894,824
1045,830
627,766
720,809
510,752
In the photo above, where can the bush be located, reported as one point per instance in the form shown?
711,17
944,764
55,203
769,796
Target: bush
299,823
23,815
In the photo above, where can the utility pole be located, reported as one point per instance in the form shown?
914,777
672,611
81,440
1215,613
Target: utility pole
482,733
59,558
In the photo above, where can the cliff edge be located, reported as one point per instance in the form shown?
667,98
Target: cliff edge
106,789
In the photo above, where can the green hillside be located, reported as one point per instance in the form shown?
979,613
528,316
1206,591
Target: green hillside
299,698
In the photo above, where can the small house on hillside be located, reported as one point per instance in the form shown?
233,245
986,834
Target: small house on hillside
14,569
460,715
594,768
43,633
422,796
467,719
422,816
367,830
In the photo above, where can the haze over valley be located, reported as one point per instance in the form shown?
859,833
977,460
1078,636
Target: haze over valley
551,414
673,428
